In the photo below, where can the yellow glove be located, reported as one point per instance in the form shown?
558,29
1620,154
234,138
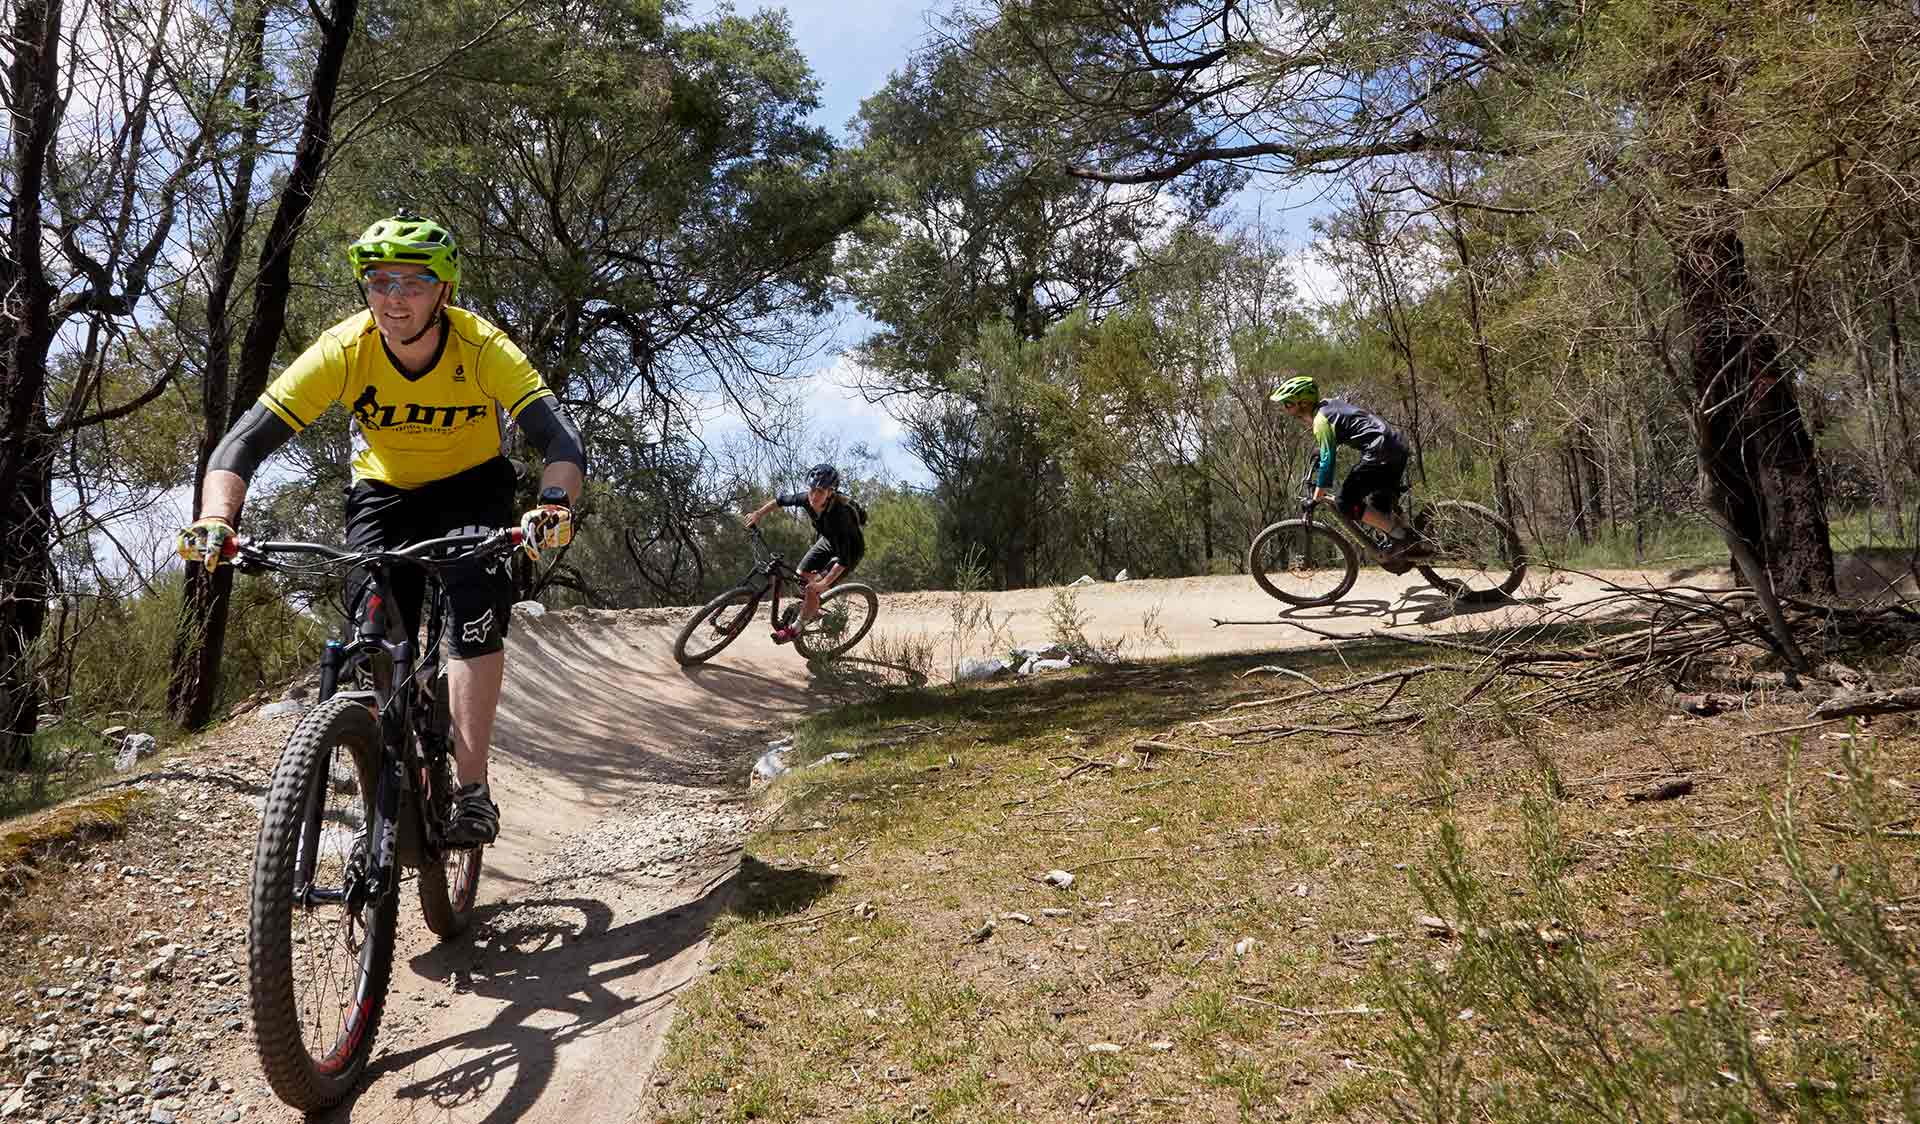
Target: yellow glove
547,527
205,540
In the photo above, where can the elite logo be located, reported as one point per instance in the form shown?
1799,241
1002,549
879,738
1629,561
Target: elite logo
459,372
369,412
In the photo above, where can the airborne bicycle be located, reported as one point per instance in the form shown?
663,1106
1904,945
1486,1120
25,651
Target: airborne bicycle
847,612
362,791
1467,551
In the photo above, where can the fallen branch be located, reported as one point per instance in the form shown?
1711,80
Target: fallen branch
1147,747
1869,702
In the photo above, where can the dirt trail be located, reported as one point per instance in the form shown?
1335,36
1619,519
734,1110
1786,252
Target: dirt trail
621,780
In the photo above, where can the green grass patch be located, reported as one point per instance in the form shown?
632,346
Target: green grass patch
1246,935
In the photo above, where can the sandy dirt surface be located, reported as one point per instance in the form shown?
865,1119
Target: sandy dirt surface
622,782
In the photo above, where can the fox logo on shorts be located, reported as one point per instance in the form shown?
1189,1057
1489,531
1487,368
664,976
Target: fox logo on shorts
478,630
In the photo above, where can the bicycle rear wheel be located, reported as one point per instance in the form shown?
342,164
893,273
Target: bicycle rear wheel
847,612
715,626
1477,558
450,882
1303,562
317,966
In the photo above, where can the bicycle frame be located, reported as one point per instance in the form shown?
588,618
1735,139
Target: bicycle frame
1366,538
773,573
398,828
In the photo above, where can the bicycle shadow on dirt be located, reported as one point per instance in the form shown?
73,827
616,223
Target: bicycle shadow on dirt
564,973
1339,610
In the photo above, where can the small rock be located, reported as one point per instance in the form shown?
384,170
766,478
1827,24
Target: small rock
1055,911
529,608
1122,576
865,911
1102,1048
981,934
285,708
1160,1047
1244,946
165,1064
1059,878
1435,926
971,669
1670,789
837,757
1083,579
1020,917
135,749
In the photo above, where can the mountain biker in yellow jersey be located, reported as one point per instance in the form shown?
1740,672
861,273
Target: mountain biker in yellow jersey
836,519
431,388
1371,491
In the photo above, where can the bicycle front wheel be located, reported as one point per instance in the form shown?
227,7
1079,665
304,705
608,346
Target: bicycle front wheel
1303,562
715,626
450,878
1477,558
847,612
319,953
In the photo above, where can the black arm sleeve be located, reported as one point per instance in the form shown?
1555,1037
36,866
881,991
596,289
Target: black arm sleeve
554,432
791,499
251,440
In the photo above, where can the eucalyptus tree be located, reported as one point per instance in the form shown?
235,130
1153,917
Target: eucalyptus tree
104,145
979,226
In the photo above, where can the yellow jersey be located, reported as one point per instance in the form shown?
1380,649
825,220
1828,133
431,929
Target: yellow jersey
411,431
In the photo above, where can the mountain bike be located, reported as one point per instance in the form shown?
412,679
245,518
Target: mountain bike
1467,551
847,612
363,789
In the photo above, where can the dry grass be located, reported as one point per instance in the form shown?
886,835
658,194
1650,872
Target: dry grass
1244,922
33,841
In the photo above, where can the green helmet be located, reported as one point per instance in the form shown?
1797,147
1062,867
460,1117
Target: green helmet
406,237
1299,388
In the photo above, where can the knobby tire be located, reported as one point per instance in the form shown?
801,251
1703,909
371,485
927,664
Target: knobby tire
1320,542
313,1060
449,884
1512,562
742,598
815,644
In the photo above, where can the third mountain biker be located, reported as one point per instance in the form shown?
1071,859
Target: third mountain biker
1371,491
431,388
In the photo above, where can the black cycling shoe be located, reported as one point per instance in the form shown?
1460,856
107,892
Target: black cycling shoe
476,818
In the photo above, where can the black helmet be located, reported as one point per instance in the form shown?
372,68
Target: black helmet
823,476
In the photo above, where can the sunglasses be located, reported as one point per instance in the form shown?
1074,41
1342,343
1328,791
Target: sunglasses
388,282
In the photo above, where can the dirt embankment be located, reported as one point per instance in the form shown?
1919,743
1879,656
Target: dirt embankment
622,780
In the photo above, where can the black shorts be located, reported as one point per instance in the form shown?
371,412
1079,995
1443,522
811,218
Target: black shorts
820,556
479,500
1375,482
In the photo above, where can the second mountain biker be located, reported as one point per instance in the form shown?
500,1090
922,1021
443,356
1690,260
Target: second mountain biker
837,519
431,388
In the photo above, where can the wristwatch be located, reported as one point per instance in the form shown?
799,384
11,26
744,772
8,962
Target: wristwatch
555,494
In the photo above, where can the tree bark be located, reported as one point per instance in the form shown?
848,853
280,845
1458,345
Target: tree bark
26,494
1756,457
200,633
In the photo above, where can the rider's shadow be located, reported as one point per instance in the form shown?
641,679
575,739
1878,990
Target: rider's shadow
555,964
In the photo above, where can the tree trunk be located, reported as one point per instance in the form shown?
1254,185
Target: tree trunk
201,633
1756,456
26,493
199,637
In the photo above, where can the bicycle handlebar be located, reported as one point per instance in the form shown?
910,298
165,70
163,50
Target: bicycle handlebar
249,553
